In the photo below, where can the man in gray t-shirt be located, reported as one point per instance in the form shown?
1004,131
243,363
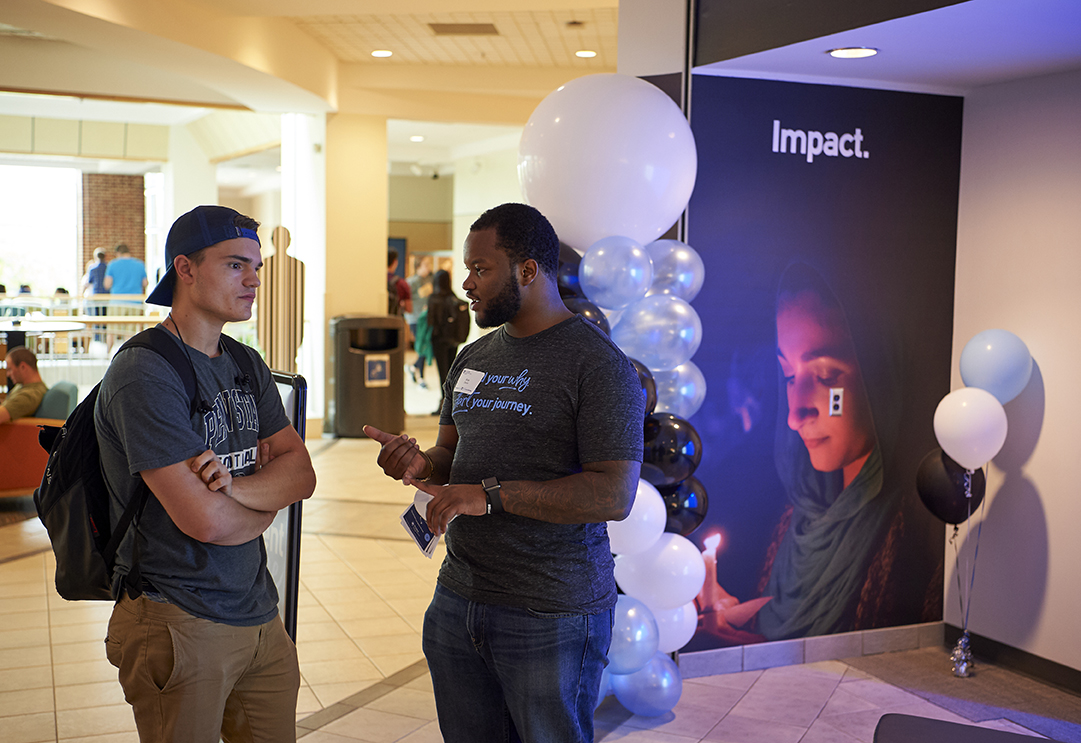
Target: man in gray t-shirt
197,641
540,444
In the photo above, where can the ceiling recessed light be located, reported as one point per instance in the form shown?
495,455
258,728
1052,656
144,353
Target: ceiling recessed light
382,53
417,138
853,52
585,53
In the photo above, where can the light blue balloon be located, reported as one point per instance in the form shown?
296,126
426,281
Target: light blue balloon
634,636
677,269
651,691
996,361
680,391
614,272
661,331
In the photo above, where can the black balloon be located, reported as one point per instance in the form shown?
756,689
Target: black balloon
589,311
649,385
940,481
686,505
671,450
567,280
567,254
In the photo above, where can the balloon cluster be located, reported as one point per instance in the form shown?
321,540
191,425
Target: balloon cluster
970,425
648,290
611,161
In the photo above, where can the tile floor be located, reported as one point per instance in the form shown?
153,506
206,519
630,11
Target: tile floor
364,588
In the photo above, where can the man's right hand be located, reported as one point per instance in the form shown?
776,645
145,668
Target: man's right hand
212,472
399,456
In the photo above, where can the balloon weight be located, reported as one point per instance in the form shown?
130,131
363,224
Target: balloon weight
686,505
671,450
940,481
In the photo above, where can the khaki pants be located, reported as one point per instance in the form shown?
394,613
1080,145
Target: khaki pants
190,680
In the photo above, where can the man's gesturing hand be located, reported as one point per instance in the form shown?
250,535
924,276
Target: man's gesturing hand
399,456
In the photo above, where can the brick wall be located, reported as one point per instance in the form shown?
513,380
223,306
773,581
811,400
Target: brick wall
113,213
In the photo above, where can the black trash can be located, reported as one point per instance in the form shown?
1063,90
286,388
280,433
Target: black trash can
369,373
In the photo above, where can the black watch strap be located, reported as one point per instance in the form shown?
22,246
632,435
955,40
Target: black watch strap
492,490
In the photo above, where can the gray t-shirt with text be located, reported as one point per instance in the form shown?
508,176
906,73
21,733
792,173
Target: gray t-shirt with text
143,422
547,404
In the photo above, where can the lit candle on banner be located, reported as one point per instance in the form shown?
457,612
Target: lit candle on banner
711,589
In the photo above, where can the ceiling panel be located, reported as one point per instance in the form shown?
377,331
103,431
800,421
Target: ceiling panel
540,38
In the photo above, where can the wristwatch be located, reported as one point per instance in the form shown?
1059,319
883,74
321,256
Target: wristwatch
491,491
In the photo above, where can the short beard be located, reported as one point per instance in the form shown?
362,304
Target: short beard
503,307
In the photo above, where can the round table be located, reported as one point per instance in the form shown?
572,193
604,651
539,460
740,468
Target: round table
17,329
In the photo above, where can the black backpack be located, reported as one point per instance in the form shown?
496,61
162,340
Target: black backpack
449,318
73,498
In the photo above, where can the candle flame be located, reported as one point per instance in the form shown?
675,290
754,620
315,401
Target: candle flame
712,543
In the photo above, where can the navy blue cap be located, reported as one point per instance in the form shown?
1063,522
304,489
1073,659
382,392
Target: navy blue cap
200,228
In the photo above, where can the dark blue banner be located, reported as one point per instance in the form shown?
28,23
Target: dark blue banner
826,218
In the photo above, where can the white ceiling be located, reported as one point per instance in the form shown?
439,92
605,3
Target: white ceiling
526,38
951,50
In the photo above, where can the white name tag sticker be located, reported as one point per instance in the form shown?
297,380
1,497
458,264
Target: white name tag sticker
468,381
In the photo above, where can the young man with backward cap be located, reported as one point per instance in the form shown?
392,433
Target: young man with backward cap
539,444
198,642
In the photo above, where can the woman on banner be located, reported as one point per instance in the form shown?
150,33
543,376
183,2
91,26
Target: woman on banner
833,566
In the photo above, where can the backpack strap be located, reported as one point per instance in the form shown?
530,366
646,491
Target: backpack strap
133,509
157,339
239,353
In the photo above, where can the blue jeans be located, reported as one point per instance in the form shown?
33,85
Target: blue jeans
507,674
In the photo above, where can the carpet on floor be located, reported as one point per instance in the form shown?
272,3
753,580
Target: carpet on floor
991,693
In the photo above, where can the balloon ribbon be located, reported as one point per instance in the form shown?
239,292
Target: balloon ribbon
962,652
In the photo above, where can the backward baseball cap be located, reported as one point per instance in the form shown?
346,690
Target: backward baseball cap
200,228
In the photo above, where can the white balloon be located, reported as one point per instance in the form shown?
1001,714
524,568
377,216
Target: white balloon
676,627
970,425
643,526
677,269
680,391
614,272
666,576
661,331
607,155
